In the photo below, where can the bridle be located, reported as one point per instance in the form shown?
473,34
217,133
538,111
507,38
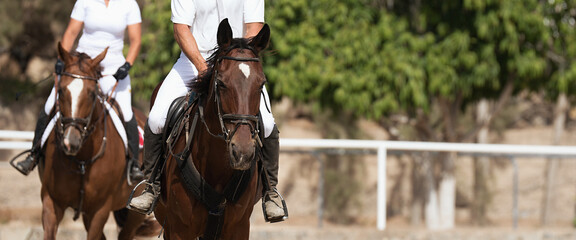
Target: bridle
84,125
236,119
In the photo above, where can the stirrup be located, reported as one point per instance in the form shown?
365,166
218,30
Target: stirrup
284,207
154,202
15,165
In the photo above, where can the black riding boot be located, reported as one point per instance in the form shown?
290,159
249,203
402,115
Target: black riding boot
152,151
274,206
133,146
27,165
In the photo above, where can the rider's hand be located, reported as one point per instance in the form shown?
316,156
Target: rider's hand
59,67
122,71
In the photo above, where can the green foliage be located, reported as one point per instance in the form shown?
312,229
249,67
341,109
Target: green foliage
361,57
374,61
328,53
559,21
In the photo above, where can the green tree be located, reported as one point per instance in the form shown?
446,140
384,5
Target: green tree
428,60
560,21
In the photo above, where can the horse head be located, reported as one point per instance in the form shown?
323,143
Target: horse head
237,81
77,94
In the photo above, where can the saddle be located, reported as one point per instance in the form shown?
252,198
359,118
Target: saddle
176,112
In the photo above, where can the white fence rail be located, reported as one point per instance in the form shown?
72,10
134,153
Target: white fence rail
382,148
15,135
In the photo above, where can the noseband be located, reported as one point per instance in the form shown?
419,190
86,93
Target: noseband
83,125
236,119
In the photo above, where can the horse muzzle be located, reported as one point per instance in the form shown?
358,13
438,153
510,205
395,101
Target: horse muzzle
242,155
71,141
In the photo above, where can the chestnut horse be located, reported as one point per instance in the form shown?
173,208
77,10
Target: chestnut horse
210,180
84,164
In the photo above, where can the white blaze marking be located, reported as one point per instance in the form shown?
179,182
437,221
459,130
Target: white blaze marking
75,88
245,69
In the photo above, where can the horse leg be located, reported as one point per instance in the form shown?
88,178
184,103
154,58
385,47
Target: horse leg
52,214
94,223
132,224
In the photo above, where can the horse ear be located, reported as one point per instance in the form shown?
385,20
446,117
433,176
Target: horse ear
100,57
224,33
63,54
260,41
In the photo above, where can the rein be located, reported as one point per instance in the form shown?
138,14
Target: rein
80,76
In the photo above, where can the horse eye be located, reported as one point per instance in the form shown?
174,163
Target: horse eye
221,84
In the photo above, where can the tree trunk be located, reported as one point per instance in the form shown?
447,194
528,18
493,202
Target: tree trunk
431,205
418,189
446,181
447,192
482,196
546,216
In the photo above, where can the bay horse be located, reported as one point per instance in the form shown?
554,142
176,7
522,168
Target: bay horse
84,164
210,179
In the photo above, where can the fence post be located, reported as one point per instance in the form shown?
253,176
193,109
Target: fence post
320,213
515,213
381,207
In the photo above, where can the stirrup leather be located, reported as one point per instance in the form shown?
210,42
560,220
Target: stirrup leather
131,175
284,207
154,202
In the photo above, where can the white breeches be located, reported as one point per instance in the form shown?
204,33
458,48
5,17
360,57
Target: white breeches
174,86
122,93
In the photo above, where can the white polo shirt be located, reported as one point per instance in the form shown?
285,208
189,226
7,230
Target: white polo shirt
104,26
204,16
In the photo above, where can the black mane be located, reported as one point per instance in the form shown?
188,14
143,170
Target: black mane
201,83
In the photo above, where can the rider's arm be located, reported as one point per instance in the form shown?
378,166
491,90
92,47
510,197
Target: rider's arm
72,31
188,44
252,29
135,36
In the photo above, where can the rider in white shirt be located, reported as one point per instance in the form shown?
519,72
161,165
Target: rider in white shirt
103,24
195,29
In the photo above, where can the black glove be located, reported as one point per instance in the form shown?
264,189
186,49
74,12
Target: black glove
122,71
59,67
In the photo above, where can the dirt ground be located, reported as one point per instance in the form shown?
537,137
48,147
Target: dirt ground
20,205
